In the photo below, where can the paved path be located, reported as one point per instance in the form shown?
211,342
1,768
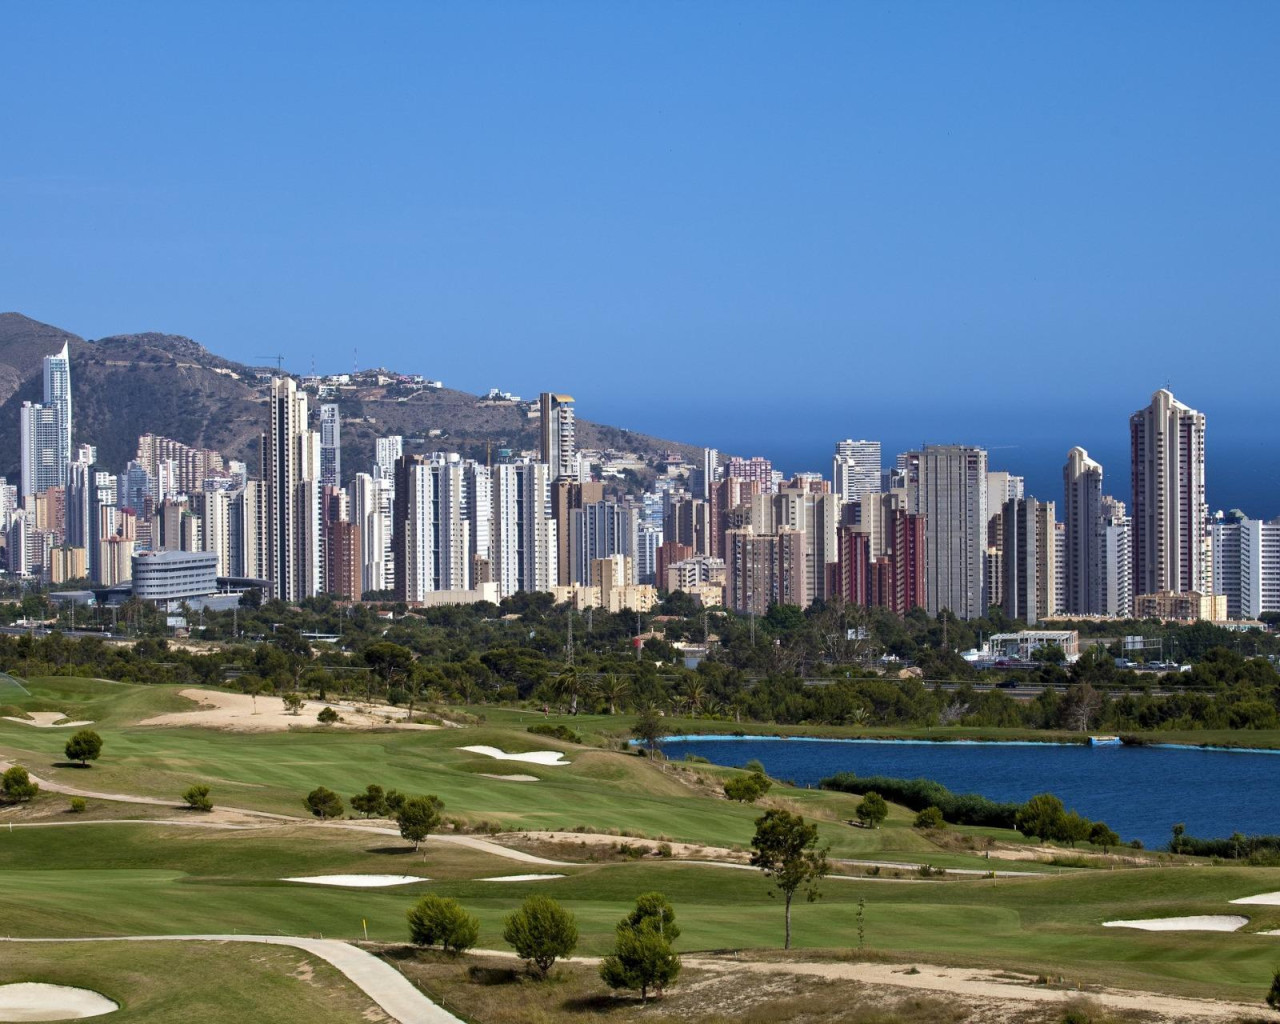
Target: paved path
377,979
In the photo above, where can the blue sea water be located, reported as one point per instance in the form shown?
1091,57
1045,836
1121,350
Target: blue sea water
1141,792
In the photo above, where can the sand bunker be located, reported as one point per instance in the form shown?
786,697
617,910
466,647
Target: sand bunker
510,778
37,1001
358,881
547,757
1265,899
1202,923
519,878
45,720
239,712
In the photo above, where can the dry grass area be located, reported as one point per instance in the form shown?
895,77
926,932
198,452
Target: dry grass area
496,990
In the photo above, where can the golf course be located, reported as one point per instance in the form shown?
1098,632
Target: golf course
592,828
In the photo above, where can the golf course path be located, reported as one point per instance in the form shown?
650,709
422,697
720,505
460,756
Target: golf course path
987,985
381,982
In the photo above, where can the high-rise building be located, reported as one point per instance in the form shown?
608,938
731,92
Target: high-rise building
180,468
567,496
756,469
431,536
330,445
524,532
1117,560
1259,567
40,430
763,569
1171,548
953,498
57,395
557,431
291,472
856,469
1224,538
601,529
1082,569
386,453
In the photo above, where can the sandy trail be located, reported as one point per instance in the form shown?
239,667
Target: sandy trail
381,982
239,712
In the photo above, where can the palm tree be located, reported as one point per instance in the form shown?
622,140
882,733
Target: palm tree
572,684
695,692
613,690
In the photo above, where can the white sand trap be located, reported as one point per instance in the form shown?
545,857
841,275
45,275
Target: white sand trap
548,757
1202,923
45,720
519,878
359,881
32,1000
510,778
1265,899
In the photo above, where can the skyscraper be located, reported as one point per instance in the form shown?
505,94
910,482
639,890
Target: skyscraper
558,448
291,471
953,498
524,532
57,395
40,433
1170,517
1117,560
1082,494
856,469
330,445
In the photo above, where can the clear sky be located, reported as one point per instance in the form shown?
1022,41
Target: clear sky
763,226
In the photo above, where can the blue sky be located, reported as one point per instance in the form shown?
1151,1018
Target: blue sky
759,225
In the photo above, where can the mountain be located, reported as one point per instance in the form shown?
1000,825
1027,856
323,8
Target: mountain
131,384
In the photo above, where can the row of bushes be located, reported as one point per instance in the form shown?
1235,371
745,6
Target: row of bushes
918,794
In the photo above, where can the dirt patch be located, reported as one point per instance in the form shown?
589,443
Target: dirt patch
240,712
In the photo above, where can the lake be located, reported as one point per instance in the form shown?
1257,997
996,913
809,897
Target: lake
1141,792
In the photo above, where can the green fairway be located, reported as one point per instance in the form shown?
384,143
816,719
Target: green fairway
163,982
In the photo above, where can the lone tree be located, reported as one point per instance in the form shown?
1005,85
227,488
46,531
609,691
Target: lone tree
324,803
650,729
16,786
197,798
418,816
642,956
930,817
372,801
873,810
541,932
293,703
1100,834
785,848
440,921
84,746
747,788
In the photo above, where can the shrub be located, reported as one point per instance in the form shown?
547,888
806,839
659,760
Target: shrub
873,810
917,794
84,746
16,785
327,716
541,932
440,921
79,805
930,817
197,798
747,788
558,732
372,801
324,803
755,766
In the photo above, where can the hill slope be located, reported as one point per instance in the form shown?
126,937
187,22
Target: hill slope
131,384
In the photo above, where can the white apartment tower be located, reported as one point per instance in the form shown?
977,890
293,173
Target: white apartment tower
291,476
1171,547
1082,494
330,445
524,532
558,434
856,469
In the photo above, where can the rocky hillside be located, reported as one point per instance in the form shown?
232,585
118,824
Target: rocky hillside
128,385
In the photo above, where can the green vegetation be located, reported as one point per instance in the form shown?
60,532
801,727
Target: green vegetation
541,932
559,732
371,803
197,798
324,803
16,786
918,794
440,921
872,810
747,788
930,817
84,746
642,956
418,817
785,849
79,805
327,716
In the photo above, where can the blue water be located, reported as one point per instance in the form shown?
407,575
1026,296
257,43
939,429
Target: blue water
1141,792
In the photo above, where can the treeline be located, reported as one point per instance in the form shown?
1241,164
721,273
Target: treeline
1259,850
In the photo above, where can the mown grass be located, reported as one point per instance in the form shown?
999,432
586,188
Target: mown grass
163,982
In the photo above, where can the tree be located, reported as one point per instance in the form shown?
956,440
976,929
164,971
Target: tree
84,746
1075,828
390,661
197,798
438,920
418,815
372,801
541,931
1273,996
930,817
1080,707
572,684
650,729
785,848
873,810
16,785
1101,835
613,691
747,788
293,703
324,803
327,716
1041,817
1175,844
642,956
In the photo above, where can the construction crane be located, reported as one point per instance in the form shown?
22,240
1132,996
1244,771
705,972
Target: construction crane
277,359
